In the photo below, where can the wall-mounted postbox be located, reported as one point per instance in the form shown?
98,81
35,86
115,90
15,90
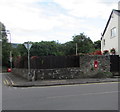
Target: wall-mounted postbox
95,64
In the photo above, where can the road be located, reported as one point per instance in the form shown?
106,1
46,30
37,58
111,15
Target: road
102,96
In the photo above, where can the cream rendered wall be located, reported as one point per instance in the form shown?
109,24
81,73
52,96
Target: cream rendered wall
109,41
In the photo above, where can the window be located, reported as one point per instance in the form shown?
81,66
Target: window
103,42
113,32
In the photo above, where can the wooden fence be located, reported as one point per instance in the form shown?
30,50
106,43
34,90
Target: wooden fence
49,62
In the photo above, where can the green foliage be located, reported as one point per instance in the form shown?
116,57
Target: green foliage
5,53
21,50
53,48
69,48
6,47
97,45
84,43
45,48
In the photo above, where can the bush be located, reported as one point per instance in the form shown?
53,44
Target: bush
112,51
105,52
97,53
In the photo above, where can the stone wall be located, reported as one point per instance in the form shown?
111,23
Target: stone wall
60,73
20,72
87,64
85,70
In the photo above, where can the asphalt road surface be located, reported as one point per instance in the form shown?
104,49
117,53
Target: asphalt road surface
102,96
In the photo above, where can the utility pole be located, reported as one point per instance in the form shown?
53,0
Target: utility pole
76,49
28,60
8,32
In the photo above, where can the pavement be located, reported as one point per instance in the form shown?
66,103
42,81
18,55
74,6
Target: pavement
15,81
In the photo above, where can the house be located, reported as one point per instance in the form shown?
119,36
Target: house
111,35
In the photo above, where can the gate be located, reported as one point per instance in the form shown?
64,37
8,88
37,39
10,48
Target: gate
115,63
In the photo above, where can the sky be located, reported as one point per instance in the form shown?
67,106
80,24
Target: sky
55,20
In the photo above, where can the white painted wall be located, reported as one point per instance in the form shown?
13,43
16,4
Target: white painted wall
111,42
119,5
119,30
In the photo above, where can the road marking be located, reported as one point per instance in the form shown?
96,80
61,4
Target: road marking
4,82
7,81
98,93
11,80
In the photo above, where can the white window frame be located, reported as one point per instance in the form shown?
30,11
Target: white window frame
113,32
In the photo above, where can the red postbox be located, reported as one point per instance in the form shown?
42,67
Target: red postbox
9,70
95,64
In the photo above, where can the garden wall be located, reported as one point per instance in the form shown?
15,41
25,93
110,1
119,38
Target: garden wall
87,65
86,69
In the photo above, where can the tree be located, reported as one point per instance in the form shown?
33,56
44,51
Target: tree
21,50
84,44
6,47
46,48
97,45
69,48
43,48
